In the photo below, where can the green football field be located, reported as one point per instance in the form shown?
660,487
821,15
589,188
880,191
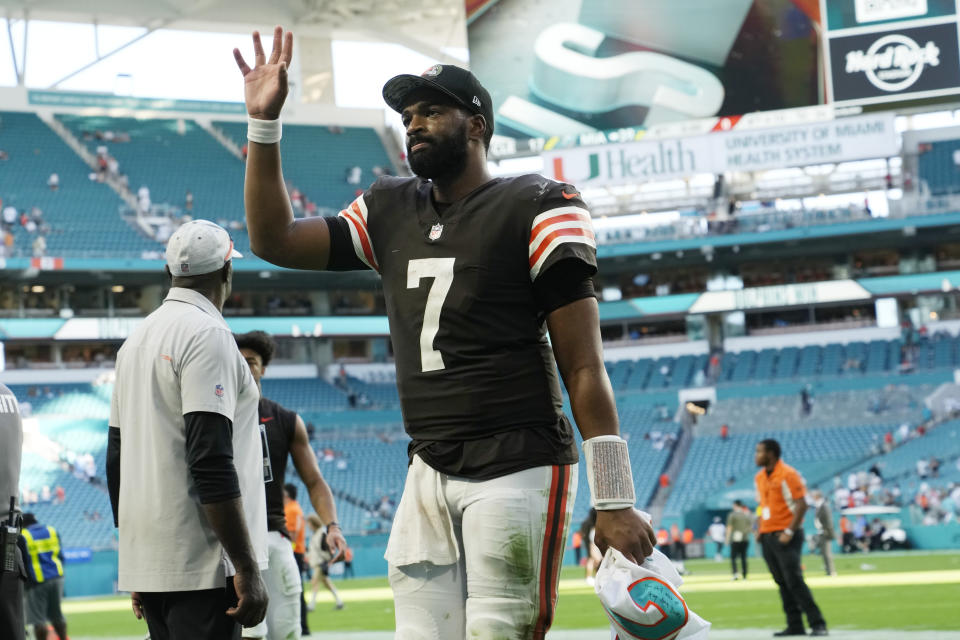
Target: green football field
909,591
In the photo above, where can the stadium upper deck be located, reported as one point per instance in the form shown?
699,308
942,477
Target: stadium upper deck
327,166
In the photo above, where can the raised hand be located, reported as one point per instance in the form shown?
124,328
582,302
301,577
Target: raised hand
265,86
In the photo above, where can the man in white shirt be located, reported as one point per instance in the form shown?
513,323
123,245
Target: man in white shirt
9,216
718,533
190,507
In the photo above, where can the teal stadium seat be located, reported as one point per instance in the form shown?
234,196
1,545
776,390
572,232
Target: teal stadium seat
316,159
937,168
84,216
170,157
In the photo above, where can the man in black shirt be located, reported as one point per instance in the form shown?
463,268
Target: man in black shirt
475,270
284,434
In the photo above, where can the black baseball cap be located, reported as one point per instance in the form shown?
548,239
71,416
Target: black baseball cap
454,81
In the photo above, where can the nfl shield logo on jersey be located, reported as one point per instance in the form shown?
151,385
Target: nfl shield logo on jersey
435,231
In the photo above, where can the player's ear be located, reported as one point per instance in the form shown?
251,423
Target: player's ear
477,128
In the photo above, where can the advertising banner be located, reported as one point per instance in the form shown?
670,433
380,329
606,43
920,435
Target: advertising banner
844,139
848,14
787,295
895,64
76,555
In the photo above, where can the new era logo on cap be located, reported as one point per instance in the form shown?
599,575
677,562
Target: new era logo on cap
476,101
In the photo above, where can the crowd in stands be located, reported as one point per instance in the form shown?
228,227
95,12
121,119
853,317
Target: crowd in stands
108,167
930,488
739,217
166,218
660,440
29,497
31,221
860,534
935,505
377,515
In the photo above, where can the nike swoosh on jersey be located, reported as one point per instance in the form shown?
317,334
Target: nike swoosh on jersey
267,419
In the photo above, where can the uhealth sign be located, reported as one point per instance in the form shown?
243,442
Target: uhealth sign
854,138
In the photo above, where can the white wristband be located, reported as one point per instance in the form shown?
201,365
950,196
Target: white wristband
608,473
264,131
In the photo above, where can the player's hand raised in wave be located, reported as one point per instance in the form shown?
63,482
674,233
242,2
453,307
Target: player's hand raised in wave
265,86
626,531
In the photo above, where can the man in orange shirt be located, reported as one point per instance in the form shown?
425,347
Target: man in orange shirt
348,563
781,494
297,527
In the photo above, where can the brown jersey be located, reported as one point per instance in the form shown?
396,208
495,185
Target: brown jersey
473,361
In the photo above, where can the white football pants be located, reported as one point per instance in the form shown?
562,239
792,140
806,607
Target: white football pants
511,532
282,579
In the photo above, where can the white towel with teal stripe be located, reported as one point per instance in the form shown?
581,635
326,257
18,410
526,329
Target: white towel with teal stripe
643,601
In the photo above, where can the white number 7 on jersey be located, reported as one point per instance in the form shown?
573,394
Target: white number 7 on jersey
441,270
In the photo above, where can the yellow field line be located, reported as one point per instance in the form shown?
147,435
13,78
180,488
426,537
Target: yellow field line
696,584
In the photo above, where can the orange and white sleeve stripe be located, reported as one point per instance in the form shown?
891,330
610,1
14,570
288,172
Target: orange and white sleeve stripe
556,227
356,216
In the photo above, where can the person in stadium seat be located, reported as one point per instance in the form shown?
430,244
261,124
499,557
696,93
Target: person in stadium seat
475,271
12,570
184,458
285,437
42,553
781,493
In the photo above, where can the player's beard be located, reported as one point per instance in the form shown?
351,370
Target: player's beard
444,158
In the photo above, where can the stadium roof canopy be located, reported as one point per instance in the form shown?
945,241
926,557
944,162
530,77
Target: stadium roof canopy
427,26
314,16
